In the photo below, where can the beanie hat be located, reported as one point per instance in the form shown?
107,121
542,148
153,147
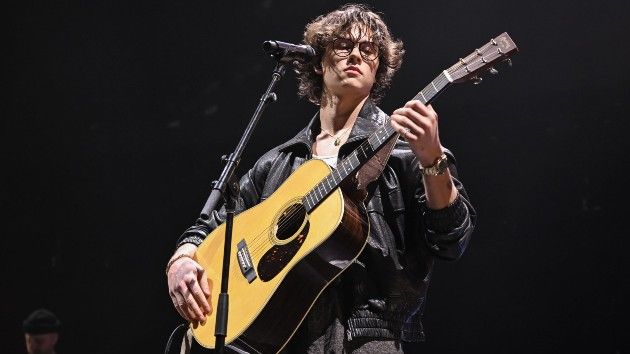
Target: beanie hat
41,321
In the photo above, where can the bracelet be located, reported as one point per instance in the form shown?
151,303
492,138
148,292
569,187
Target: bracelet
172,260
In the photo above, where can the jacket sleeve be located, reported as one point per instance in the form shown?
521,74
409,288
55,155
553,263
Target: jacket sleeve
250,184
448,230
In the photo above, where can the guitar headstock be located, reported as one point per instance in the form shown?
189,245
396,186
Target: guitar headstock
483,59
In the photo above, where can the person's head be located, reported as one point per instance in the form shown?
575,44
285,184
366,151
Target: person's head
41,332
375,53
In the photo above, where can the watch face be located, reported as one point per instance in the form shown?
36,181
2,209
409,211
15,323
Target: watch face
439,167
442,165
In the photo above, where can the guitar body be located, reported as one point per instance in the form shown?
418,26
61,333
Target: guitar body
282,259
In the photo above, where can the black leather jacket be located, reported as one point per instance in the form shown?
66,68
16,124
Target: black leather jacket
383,293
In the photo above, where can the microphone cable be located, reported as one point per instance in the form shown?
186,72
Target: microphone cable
167,349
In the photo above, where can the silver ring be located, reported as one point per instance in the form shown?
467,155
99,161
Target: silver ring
406,131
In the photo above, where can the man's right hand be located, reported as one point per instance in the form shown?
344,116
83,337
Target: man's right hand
188,286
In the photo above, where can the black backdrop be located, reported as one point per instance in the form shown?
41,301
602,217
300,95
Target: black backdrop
117,113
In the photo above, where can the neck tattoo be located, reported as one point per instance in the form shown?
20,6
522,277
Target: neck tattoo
338,137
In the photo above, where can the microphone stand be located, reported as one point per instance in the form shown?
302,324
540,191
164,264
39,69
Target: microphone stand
227,187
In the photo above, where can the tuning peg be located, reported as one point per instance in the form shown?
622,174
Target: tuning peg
509,62
477,80
494,71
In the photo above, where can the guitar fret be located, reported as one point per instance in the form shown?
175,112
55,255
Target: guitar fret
350,162
308,203
390,130
373,140
431,90
365,155
325,186
428,93
360,150
442,80
378,138
357,159
383,133
370,141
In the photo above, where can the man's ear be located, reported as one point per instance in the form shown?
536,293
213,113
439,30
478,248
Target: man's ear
318,69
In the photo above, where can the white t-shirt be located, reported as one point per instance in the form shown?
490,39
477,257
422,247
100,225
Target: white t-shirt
331,160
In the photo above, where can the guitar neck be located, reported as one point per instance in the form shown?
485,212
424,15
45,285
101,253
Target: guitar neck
369,147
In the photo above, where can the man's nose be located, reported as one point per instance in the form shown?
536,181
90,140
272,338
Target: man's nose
355,53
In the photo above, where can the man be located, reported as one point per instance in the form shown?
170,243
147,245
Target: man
418,210
41,332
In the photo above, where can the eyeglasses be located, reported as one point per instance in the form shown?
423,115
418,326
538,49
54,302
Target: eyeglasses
344,46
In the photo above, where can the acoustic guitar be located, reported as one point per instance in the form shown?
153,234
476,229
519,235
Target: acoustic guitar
288,248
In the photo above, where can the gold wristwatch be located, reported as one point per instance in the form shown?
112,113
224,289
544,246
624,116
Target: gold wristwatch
438,168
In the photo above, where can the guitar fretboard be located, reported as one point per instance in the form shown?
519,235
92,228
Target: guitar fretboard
368,148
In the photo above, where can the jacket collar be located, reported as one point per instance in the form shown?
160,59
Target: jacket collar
370,118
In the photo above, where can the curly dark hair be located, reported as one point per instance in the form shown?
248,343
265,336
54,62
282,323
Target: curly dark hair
325,28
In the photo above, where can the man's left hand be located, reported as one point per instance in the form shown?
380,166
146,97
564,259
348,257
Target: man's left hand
418,124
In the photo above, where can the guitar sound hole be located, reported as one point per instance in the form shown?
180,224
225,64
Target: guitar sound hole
290,221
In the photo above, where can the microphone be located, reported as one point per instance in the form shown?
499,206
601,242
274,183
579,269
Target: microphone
293,51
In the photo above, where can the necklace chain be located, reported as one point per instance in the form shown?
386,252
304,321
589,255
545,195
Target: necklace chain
337,136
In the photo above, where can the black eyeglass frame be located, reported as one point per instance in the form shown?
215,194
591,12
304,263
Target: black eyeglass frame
344,53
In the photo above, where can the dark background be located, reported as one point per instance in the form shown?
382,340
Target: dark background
117,113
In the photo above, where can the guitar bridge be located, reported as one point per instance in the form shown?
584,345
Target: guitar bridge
245,262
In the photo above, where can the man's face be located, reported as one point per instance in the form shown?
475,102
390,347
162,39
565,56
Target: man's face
350,64
41,343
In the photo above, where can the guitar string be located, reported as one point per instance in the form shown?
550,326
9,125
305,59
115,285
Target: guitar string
258,241
292,218
256,252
